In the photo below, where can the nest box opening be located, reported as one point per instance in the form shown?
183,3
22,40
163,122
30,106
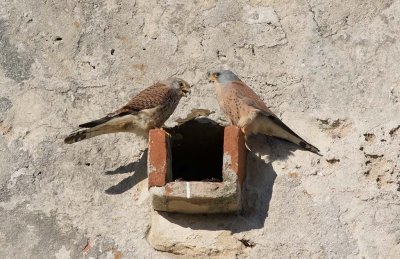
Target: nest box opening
197,151
197,167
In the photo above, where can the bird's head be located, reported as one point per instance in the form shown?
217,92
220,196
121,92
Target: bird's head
222,77
181,85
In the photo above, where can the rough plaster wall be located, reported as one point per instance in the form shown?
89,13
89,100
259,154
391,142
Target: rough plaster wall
330,70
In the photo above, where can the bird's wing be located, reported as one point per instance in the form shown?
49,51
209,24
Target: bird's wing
249,97
149,98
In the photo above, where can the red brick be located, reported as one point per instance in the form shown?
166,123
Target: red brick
234,146
196,197
158,160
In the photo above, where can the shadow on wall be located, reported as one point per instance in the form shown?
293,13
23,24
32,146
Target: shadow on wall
258,188
140,173
272,148
258,192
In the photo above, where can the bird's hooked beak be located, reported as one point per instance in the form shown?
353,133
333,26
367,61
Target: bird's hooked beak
211,76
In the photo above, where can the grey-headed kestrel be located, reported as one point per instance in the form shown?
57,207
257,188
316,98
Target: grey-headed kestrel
246,110
149,109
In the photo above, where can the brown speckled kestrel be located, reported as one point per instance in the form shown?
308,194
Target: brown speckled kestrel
147,110
246,110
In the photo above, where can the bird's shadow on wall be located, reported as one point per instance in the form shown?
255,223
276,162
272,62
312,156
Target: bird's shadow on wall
258,188
139,170
257,195
270,148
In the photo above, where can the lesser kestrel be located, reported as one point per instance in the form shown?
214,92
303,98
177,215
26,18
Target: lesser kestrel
147,110
246,110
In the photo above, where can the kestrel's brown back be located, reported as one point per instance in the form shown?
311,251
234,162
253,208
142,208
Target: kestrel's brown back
148,109
249,96
149,98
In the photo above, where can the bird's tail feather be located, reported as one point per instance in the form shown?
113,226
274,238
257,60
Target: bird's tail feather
126,123
274,127
302,143
95,123
309,147
86,134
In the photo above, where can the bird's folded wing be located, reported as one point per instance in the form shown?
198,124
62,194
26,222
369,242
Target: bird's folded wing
149,98
250,98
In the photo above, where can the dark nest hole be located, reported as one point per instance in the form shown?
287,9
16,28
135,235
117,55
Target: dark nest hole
197,151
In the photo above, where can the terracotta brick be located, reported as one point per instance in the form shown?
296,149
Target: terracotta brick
197,197
158,159
234,147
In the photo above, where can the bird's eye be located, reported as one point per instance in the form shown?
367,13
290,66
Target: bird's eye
216,74
180,84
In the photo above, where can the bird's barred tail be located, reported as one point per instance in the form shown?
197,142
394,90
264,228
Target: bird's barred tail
76,136
83,134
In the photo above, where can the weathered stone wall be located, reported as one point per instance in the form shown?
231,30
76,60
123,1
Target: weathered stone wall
329,69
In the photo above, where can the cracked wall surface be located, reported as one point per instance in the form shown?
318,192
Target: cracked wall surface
329,70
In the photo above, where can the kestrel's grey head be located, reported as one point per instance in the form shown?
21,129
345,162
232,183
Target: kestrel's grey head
179,84
223,77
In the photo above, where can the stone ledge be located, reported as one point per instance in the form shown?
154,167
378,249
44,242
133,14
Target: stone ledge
197,197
